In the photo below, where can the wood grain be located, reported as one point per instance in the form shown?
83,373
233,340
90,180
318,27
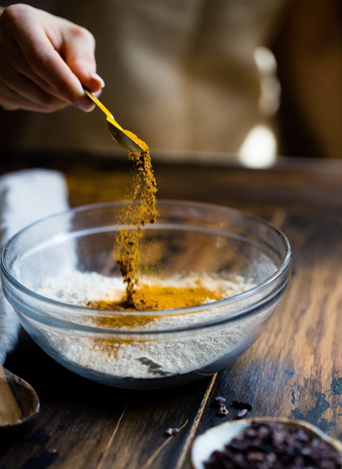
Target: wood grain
10,410
18,401
294,370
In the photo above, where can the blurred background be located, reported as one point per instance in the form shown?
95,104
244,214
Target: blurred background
200,80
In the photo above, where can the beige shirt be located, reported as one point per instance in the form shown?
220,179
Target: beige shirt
179,73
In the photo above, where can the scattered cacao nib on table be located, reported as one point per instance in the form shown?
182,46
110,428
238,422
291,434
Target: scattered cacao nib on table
223,411
242,413
220,401
242,405
267,445
172,431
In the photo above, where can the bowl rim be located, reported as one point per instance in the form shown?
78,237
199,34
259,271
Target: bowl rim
245,312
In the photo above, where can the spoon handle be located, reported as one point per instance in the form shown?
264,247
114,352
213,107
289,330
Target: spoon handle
99,104
123,137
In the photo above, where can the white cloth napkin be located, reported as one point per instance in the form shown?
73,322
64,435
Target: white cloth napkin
25,197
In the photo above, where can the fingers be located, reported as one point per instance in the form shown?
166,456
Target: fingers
11,101
15,75
28,89
46,62
12,62
52,54
79,54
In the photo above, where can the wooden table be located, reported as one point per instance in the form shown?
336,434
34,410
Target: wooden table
294,370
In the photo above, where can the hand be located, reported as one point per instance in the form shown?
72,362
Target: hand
44,61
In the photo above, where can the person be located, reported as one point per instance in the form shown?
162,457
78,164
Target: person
45,61
180,74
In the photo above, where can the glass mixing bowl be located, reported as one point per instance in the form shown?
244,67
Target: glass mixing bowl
147,349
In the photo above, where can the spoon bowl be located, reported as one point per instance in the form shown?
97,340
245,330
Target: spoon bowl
125,138
18,400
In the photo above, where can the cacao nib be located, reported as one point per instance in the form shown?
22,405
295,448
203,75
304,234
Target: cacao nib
268,445
242,405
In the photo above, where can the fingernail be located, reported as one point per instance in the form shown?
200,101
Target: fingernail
97,94
85,104
98,78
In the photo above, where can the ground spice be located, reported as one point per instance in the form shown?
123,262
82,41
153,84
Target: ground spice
153,298
136,214
140,210
140,356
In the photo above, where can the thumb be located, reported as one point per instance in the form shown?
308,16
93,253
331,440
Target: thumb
79,54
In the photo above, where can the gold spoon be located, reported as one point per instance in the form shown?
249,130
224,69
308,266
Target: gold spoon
18,400
125,138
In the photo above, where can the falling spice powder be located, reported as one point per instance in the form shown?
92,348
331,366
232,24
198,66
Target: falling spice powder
139,211
128,356
133,217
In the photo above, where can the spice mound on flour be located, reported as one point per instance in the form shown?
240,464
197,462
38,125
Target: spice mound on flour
153,298
143,357
159,297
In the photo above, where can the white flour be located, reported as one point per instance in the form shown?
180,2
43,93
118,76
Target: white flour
173,354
